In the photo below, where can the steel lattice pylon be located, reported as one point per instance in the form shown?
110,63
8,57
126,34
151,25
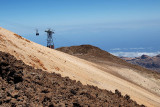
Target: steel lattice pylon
50,43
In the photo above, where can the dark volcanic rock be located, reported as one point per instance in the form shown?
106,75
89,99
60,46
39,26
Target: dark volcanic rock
21,85
9,73
158,55
144,57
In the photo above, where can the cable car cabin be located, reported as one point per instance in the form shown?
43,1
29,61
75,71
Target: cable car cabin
37,34
51,46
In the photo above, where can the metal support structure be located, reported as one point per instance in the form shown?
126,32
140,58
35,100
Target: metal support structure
50,43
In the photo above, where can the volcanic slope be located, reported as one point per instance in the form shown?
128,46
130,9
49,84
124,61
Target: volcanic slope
21,85
98,56
51,60
116,66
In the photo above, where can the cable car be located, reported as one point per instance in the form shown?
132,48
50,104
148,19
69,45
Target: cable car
37,32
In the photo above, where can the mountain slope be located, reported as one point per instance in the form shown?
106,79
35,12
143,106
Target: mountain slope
116,66
95,54
21,85
77,69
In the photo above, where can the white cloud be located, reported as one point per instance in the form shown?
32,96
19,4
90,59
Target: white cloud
135,54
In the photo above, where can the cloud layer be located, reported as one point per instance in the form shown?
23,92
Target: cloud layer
134,54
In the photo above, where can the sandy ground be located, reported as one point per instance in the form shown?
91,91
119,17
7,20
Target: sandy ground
139,78
78,69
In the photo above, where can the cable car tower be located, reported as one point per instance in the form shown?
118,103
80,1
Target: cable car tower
50,43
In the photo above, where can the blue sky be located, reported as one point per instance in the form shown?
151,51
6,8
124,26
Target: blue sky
108,24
